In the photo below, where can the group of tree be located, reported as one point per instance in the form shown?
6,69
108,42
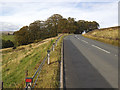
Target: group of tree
7,44
54,25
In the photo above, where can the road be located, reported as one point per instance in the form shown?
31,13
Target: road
89,63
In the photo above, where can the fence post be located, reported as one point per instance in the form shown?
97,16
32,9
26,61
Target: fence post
1,85
26,73
48,54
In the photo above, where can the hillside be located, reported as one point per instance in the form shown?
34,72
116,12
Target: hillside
15,62
6,32
107,35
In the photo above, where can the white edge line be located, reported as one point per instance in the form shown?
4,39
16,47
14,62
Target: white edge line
101,49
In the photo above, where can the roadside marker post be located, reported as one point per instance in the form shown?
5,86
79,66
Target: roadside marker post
53,46
56,42
48,54
29,82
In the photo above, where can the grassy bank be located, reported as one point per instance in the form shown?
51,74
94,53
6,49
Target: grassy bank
49,77
106,35
28,57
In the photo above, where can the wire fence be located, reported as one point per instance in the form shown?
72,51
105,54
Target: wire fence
29,81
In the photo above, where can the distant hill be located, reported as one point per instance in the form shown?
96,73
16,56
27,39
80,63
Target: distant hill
6,26
6,32
107,35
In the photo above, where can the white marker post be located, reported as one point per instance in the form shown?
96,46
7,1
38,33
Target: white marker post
53,46
48,54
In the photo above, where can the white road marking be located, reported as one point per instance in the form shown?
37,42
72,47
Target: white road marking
101,49
115,55
75,35
84,41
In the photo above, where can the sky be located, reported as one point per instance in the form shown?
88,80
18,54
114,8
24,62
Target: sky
18,13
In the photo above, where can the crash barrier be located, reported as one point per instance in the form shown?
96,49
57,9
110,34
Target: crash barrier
29,80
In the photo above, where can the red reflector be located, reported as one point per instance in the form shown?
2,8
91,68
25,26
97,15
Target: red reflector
28,80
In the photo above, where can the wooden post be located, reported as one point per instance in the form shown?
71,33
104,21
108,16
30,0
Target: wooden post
26,73
1,85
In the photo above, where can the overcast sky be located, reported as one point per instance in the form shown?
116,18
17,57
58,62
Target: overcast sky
24,12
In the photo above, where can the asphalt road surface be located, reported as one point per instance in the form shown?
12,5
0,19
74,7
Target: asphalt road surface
89,63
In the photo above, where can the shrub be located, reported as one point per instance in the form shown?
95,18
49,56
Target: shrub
7,44
14,47
30,46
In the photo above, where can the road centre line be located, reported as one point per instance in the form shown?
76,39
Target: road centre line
77,38
84,41
101,49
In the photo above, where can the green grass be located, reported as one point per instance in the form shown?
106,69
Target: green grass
8,37
16,62
107,35
49,77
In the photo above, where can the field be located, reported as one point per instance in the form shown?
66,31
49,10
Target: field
106,35
15,62
8,37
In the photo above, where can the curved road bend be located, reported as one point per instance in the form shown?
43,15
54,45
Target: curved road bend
89,63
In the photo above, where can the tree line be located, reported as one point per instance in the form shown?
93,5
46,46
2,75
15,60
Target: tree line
39,30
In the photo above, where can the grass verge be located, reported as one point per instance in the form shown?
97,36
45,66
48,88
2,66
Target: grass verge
50,74
16,62
108,41
106,35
